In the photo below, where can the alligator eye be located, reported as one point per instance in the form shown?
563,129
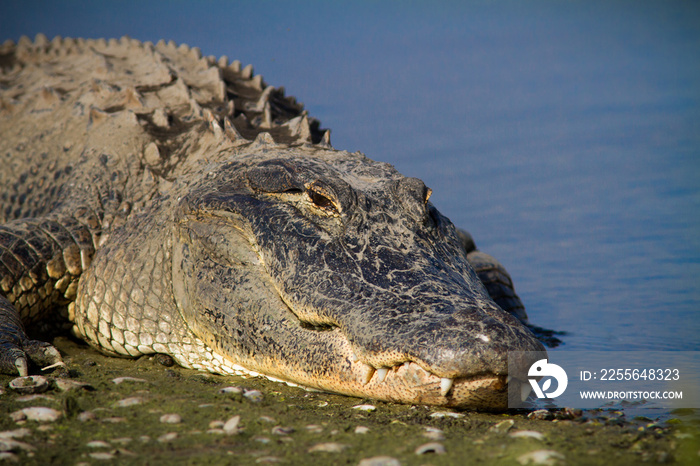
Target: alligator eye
320,200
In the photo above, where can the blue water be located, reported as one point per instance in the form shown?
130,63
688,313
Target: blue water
564,135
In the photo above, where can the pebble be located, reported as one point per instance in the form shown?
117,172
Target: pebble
314,429
541,414
216,424
234,390
119,380
30,384
121,440
114,420
171,419
231,426
255,396
131,401
441,414
361,430
432,447
67,385
28,398
433,433
330,447
268,459
98,444
380,461
526,434
263,440
279,430
502,427
87,416
36,413
269,419
546,457
368,408
169,437
102,455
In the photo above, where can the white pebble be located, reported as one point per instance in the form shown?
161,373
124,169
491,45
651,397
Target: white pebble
231,426
253,395
361,430
132,401
380,461
98,444
330,447
502,427
527,434
546,457
234,390
432,447
171,419
169,437
440,414
119,380
36,413
365,408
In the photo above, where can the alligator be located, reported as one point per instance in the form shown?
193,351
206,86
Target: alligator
154,200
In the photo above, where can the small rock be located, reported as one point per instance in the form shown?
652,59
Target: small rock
102,455
368,408
279,430
114,420
433,433
9,444
164,360
131,401
17,433
268,459
361,430
37,413
323,404
171,419
255,396
7,456
502,427
87,416
526,434
432,447
546,457
121,440
231,426
169,437
330,447
30,384
541,414
119,380
440,414
263,440
268,419
234,390
216,431
314,429
98,444
380,461
216,424
66,385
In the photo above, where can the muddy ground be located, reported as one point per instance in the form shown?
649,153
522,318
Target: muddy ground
124,423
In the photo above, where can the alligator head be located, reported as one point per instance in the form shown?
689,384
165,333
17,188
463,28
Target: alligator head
335,272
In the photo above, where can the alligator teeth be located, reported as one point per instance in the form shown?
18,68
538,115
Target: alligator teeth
353,357
525,390
445,385
381,374
369,372
508,379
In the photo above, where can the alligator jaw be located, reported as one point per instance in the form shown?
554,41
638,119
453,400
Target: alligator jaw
406,383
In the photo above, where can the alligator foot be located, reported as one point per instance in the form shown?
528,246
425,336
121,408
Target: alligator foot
17,351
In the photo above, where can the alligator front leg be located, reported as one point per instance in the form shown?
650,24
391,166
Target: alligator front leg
40,263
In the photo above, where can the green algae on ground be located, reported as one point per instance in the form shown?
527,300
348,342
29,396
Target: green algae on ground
122,422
